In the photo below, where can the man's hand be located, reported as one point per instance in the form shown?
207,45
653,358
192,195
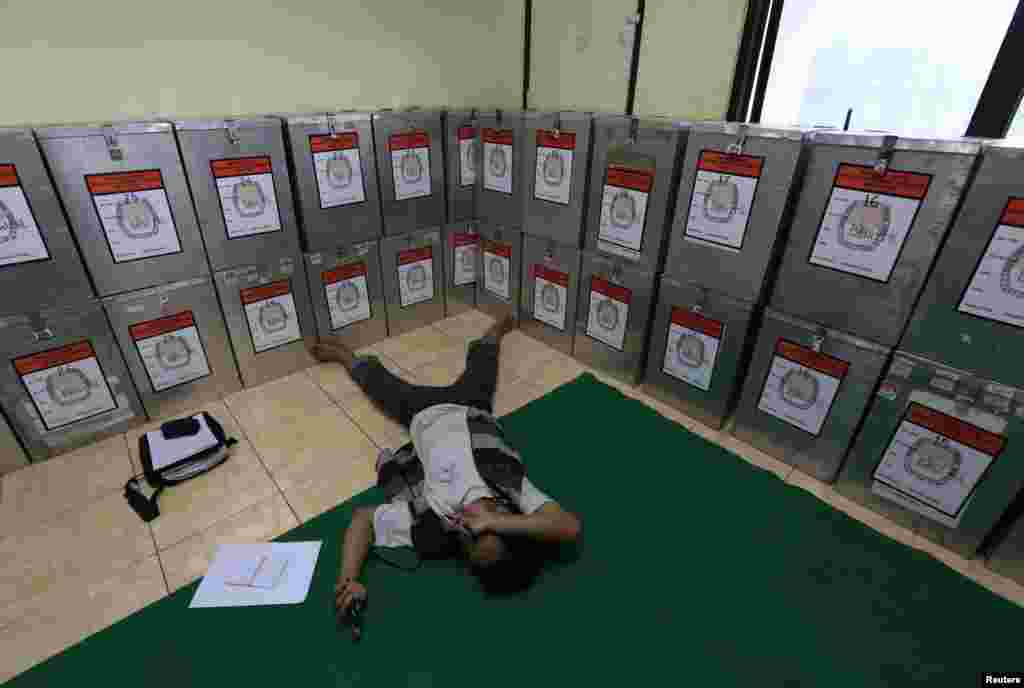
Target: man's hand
480,522
345,592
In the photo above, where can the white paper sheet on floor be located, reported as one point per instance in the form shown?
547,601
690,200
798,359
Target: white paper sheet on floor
232,561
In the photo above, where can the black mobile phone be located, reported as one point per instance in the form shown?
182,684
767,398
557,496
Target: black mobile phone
180,427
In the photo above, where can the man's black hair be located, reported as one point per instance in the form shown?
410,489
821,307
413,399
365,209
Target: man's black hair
517,569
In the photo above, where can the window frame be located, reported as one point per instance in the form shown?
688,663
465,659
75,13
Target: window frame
997,104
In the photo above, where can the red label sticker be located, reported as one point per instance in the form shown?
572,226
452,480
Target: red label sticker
8,175
124,182
412,139
630,178
549,139
343,272
415,255
823,363
1014,213
466,133
892,182
956,429
726,163
612,291
463,238
684,317
499,136
265,291
326,144
54,357
498,249
553,276
153,328
238,167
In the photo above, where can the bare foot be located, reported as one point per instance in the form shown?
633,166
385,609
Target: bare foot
333,351
500,329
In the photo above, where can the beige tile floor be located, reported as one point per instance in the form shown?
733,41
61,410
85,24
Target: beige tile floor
74,558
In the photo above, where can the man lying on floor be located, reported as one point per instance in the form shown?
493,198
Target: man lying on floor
458,489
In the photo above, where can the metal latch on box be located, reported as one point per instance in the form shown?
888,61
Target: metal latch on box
634,130
42,335
615,273
885,154
113,147
736,148
231,129
549,252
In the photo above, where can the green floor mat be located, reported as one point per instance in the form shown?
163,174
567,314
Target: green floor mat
696,569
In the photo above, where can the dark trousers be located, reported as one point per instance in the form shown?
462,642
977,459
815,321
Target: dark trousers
402,400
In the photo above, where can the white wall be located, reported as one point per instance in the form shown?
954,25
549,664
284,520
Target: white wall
577,60
70,61
688,57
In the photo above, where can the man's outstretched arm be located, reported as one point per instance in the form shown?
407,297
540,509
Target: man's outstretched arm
551,523
353,555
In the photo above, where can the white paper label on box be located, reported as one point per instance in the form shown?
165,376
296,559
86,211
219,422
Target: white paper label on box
415,275
497,267
135,214
554,166
692,347
464,246
722,198
609,312
20,239
171,350
410,164
868,219
248,201
996,289
801,386
467,155
937,460
271,314
65,384
339,171
497,160
624,206
550,293
348,299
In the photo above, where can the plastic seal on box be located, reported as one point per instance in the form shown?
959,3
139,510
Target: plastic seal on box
412,167
864,225
498,162
550,299
623,212
339,172
933,461
416,278
273,317
554,169
1011,281
248,198
137,218
721,200
68,386
173,352
9,224
607,315
799,388
347,296
690,351
496,270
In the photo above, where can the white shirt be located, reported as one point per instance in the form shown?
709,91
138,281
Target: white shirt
441,437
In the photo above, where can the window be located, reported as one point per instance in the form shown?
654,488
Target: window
1017,126
915,67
